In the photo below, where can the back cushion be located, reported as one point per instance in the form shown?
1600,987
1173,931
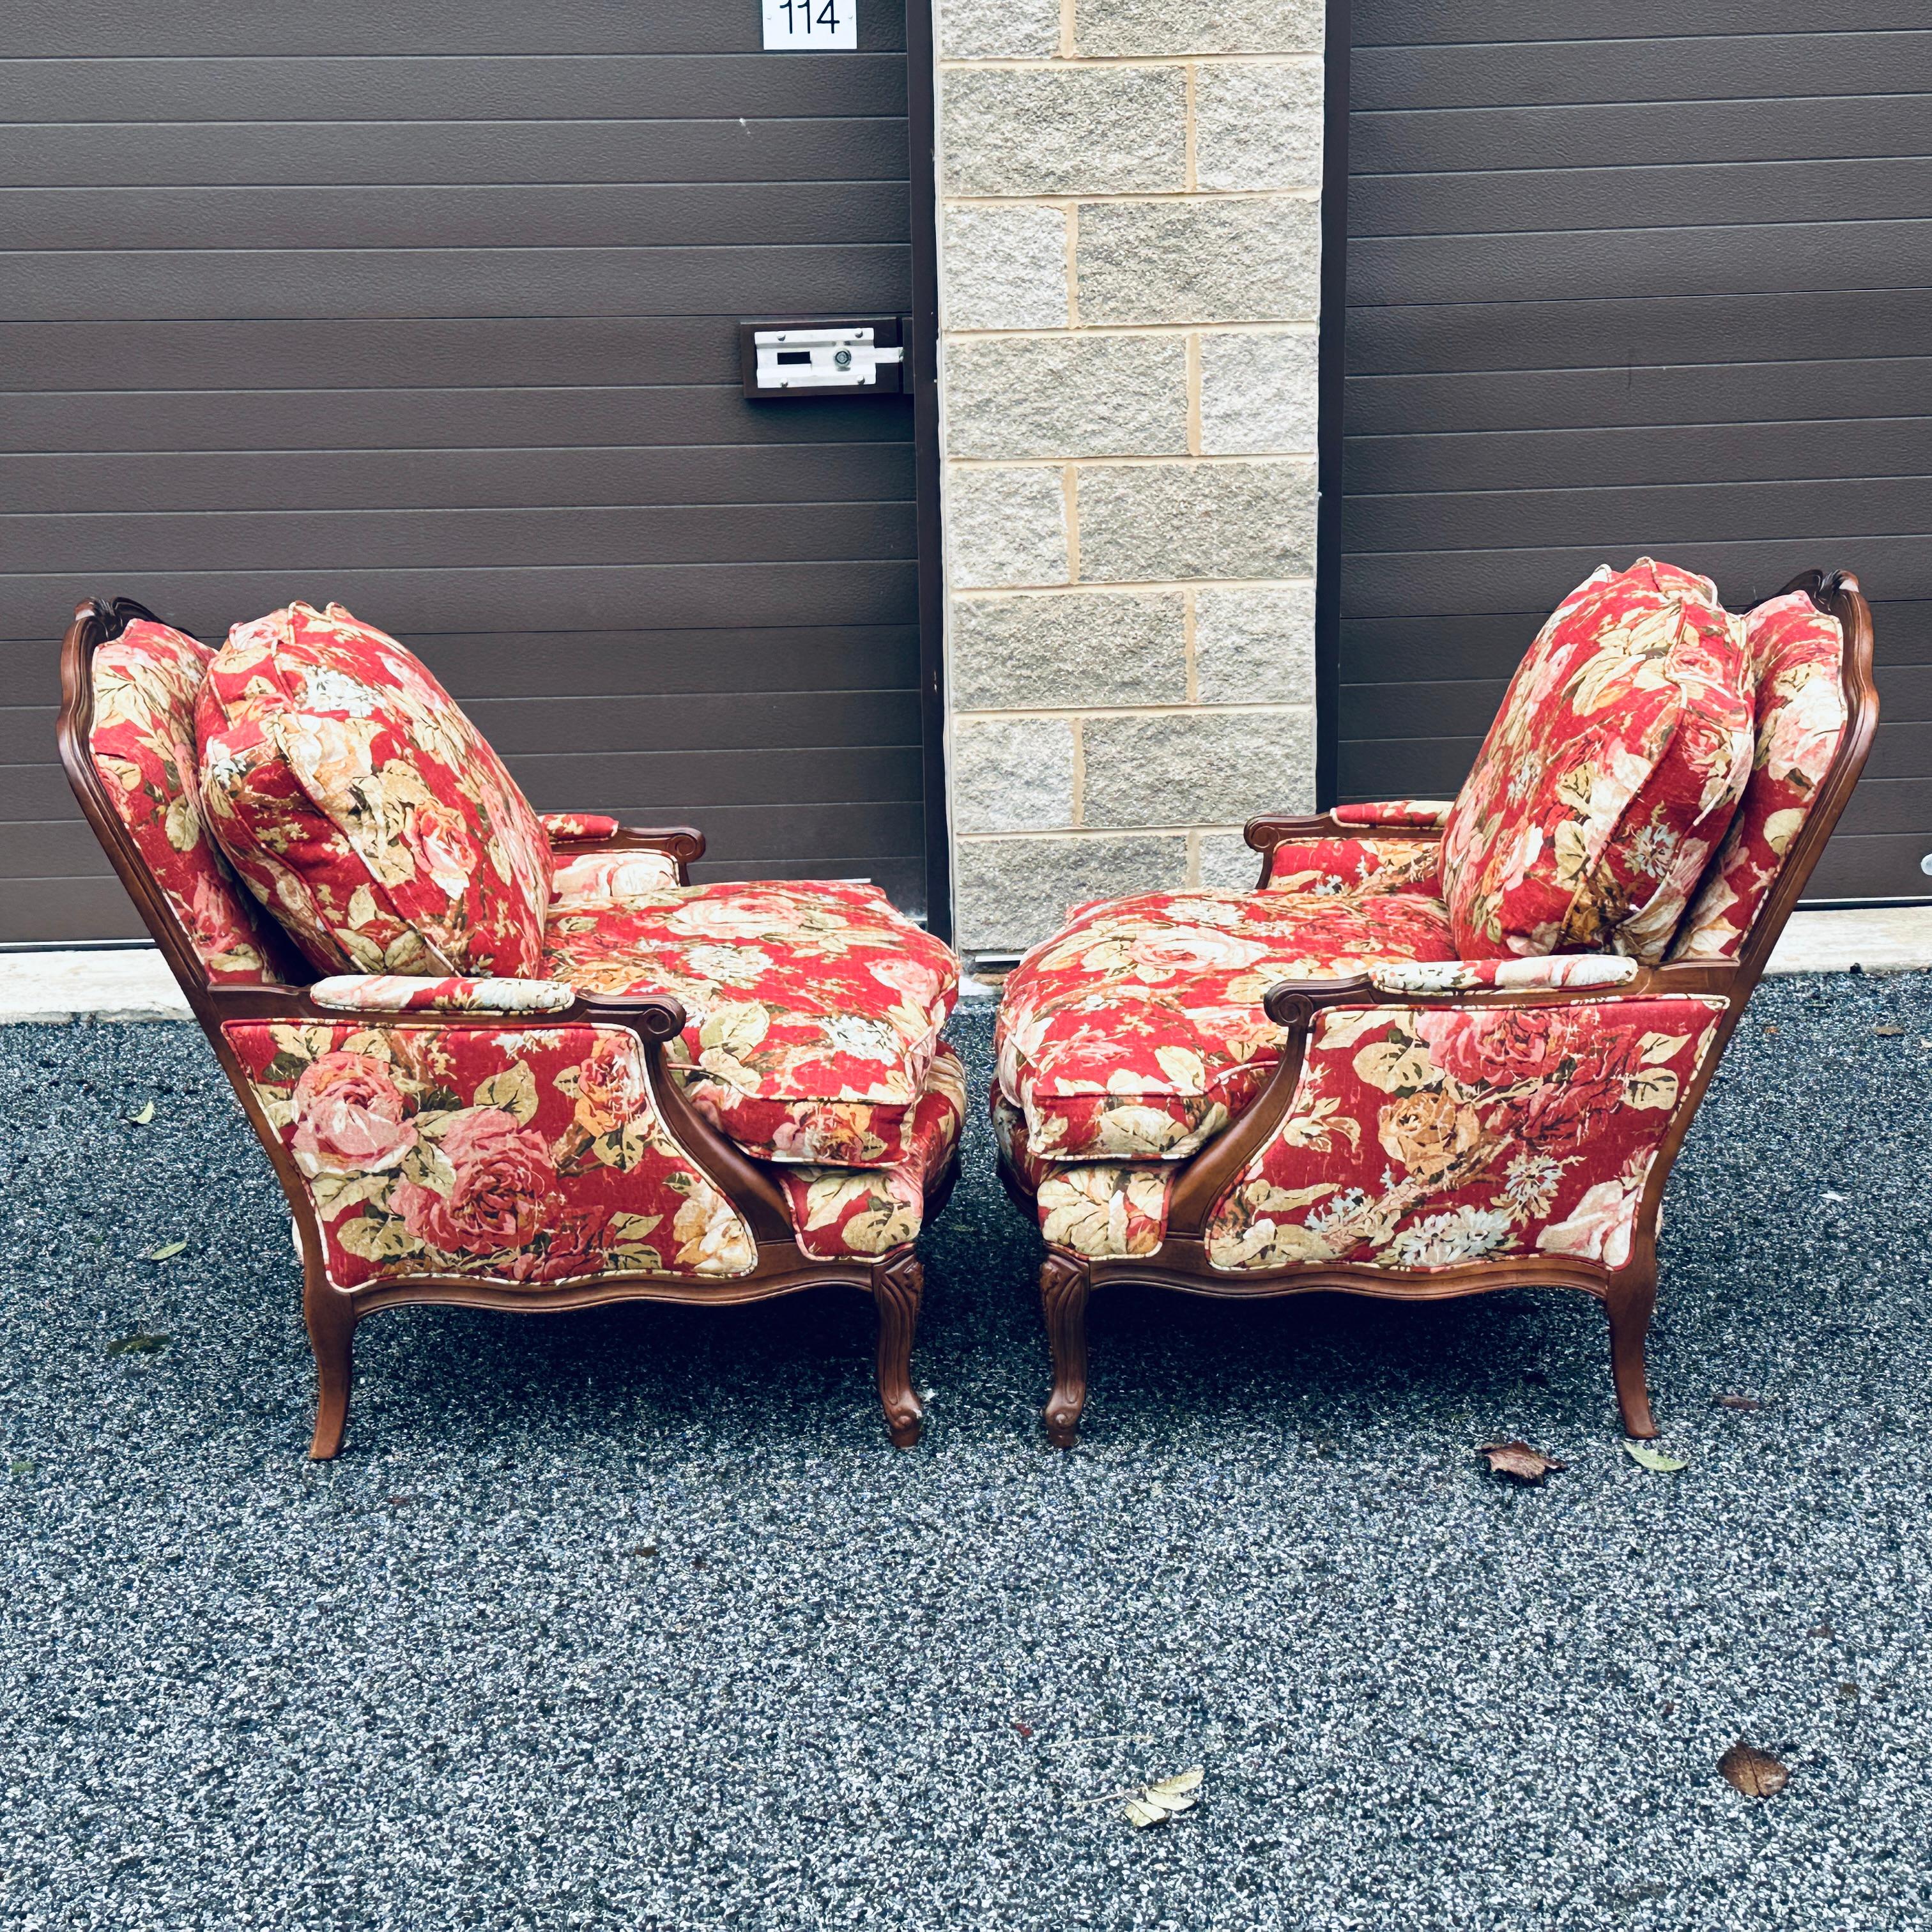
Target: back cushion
1798,652
1609,775
143,746
361,806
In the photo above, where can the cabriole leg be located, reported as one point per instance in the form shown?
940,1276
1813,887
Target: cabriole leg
1064,1282
331,1317
897,1285
1631,1300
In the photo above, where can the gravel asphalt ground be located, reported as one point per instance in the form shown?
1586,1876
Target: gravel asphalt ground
633,1618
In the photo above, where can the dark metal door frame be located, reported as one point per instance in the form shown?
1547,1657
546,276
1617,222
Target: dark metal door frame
1331,370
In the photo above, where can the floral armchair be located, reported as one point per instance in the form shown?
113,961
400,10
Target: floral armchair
501,1060
1446,1048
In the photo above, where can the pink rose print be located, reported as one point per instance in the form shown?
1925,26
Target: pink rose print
349,1116
503,1179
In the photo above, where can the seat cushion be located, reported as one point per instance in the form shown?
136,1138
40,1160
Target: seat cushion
1609,776
145,682
1137,1033
363,808
864,1212
1797,652
1103,1210
815,1006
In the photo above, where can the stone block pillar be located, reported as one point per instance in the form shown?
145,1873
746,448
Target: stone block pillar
1129,270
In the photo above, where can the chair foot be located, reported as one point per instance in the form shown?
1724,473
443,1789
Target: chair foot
331,1319
1630,1305
897,1285
1064,1283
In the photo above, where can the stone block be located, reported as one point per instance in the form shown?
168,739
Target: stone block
1228,860
1066,395
1258,394
1214,768
1003,267
1005,526
1128,27
1245,259
1255,647
1011,892
998,29
1258,126
1146,522
1067,648
1012,774
1072,130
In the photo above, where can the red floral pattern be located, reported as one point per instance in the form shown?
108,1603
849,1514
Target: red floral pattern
1357,865
143,744
360,804
1799,653
1138,1033
815,1006
526,1156
1103,1210
1540,975
1609,775
1422,1138
578,824
841,1212
1396,811
392,993
597,878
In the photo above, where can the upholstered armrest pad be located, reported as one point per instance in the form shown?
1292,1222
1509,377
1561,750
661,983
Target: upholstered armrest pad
1506,976
1355,866
578,824
598,878
1423,811
392,993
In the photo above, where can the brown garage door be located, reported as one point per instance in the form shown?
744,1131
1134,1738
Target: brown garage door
433,310
1626,278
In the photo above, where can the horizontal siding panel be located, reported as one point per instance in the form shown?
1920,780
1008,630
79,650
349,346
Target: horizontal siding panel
1611,136
439,153
67,911
1749,392
422,479
533,86
588,598
634,215
1882,867
1403,22
173,284
1544,200
1602,459
1549,71
1824,324
670,417
210,29
553,538
1691,260
1618,520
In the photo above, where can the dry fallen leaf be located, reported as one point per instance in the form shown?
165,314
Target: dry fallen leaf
1772,1027
138,1343
142,1119
1756,1773
1887,1032
167,1252
1520,1460
1739,1402
1653,1459
1156,1804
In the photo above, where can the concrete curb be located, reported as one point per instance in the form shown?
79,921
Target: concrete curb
133,983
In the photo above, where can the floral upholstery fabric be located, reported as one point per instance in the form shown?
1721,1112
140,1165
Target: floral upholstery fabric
814,1007
1506,976
363,808
1420,1138
1354,866
1138,1033
1396,811
392,993
528,1156
596,878
1609,775
1103,1210
864,1212
1798,652
578,824
143,744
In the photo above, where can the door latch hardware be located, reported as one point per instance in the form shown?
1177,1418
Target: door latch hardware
786,359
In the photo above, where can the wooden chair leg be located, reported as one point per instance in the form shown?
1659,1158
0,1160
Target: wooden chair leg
897,1285
1630,1303
331,1317
1064,1282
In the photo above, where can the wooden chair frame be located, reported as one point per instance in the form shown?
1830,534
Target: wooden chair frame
894,1281
1629,1293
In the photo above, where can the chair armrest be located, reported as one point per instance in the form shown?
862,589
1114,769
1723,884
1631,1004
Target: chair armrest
392,993
583,834
575,827
1567,970
1429,814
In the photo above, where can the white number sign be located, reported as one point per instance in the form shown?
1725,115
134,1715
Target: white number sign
810,26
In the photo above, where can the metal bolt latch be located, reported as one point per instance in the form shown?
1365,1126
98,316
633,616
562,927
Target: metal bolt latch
820,358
